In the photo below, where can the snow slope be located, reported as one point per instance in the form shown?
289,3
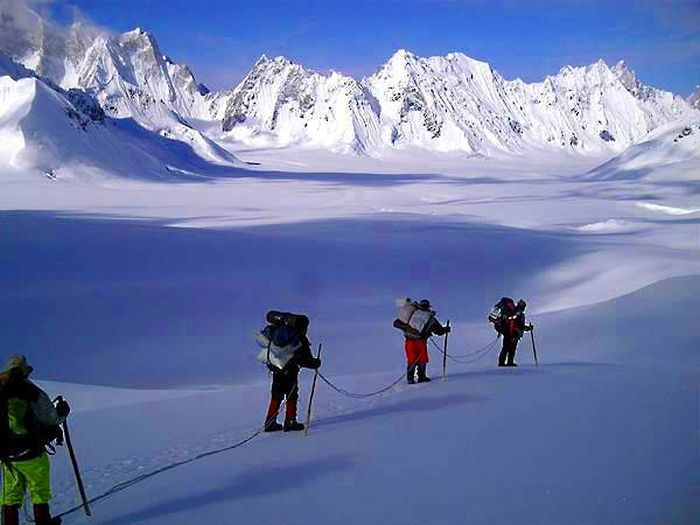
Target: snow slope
60,133
149,263
97,286
603,431
675,145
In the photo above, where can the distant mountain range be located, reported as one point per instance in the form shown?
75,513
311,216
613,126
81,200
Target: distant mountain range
450,103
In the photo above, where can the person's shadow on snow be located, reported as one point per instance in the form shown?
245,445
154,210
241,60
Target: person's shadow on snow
258,481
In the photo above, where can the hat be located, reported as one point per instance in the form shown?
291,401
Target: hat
424,304
18,361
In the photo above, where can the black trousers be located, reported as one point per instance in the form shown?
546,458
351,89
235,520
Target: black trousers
507,355
284,384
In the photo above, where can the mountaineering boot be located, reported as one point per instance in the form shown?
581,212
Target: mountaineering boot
271,424
290,417
10,515
422,378
42,516
293,425
511,364
502,357
410,374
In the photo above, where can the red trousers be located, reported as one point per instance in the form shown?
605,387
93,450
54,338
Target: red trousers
416,351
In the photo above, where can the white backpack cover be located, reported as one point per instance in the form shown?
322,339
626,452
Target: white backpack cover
420,318
406,309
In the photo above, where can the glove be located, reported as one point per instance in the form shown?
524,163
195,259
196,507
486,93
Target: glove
448,329
530,327
58,436
315,363
62,408
46,435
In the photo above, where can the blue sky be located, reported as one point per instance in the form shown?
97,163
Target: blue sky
221,39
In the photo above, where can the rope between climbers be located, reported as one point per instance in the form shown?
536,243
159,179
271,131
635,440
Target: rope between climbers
119,487
138,479
477,354
355,395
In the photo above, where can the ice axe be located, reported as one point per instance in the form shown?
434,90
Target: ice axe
313,389
534,348
444,353
74,461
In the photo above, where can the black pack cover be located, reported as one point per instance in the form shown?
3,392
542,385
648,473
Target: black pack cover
507,304
298,322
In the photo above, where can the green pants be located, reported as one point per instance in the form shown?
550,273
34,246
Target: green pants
33,475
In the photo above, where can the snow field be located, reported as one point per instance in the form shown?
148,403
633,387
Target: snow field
618,381
593,435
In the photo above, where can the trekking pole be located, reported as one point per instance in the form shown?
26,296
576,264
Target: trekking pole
444,354
534,348
76,470
313,389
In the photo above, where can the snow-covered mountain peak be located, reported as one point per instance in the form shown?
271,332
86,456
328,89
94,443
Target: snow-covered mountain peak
399,63
628,78
402,55
141,35
694,98
281,102
621,65
142,42
461,58
444,103
266,61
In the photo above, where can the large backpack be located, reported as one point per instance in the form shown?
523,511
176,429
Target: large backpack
411,319
12,446
281,338
500,313
406,309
